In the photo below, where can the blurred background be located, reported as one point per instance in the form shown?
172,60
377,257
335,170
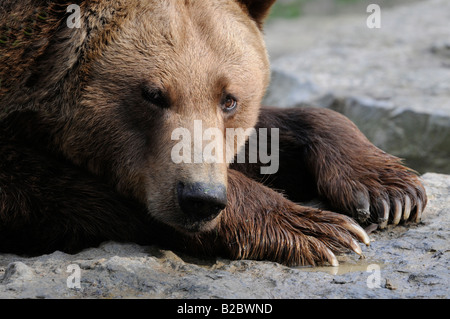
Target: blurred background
296,8
392,81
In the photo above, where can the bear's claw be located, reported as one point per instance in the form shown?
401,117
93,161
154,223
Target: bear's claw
397,212
392,195
401,203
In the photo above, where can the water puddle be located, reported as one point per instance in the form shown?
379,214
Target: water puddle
345,267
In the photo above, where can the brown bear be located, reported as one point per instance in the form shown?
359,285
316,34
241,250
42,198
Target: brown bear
91,94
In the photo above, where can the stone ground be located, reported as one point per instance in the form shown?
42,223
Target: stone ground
324,61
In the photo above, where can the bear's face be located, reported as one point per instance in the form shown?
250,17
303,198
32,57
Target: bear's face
173,70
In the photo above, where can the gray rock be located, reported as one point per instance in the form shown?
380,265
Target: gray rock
17,272
393,82
409,261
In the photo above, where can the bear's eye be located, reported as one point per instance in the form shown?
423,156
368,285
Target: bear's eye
155,96
230,103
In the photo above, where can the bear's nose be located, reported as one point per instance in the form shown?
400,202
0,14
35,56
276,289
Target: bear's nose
201,201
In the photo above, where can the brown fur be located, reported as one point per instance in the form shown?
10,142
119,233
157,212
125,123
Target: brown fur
85,139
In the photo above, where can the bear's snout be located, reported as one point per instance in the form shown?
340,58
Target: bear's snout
201,201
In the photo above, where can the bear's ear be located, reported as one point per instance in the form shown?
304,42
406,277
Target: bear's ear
257,9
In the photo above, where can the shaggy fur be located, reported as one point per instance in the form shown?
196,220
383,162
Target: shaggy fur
85,137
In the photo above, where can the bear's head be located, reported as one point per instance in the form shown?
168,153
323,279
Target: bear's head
141,93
